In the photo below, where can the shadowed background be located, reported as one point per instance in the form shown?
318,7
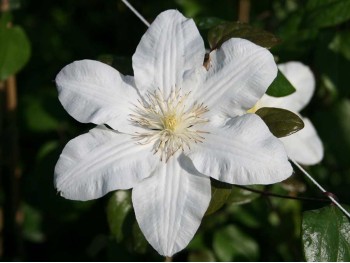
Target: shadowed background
36,224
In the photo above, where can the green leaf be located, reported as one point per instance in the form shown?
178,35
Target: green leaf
231,244
223,32
326,235
119,206
32,224
280,87
241,196
208,22
341,44
36,116
324,13
138,242
219,193
281,122
14,50
46,149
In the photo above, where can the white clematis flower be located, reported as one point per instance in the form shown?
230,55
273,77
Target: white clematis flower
304,146
175,126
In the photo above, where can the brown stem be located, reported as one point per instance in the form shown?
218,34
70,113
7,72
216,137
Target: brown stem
244,11
168,259
11,174
11,94
5,6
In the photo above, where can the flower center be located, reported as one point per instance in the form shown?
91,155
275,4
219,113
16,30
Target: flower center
168,123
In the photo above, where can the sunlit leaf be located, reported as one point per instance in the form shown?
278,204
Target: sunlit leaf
14,50
219,193
119,206
281,122
231,244
324,13
223,32
326,235
239,196
280,87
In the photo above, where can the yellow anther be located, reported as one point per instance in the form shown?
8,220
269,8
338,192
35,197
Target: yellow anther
170,122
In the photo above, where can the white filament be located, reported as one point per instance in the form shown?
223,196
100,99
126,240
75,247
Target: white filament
321,188
168,123
136,12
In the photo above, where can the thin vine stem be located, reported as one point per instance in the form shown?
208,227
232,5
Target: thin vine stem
266,193
330,196
136,13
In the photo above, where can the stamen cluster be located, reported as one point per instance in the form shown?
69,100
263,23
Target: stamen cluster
168,122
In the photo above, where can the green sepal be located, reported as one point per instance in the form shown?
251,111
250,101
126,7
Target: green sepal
280,87
281,122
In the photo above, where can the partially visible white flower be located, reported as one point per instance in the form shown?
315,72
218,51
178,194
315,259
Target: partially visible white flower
175,124
304,146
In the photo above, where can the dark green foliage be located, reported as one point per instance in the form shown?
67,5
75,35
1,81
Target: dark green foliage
224,31
240,225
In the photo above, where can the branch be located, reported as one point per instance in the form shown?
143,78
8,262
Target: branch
266,193
244,11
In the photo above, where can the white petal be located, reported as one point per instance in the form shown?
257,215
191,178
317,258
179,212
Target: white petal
92,91
302,79
304,146
242,152
100,161
239,75
169,205
171,46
